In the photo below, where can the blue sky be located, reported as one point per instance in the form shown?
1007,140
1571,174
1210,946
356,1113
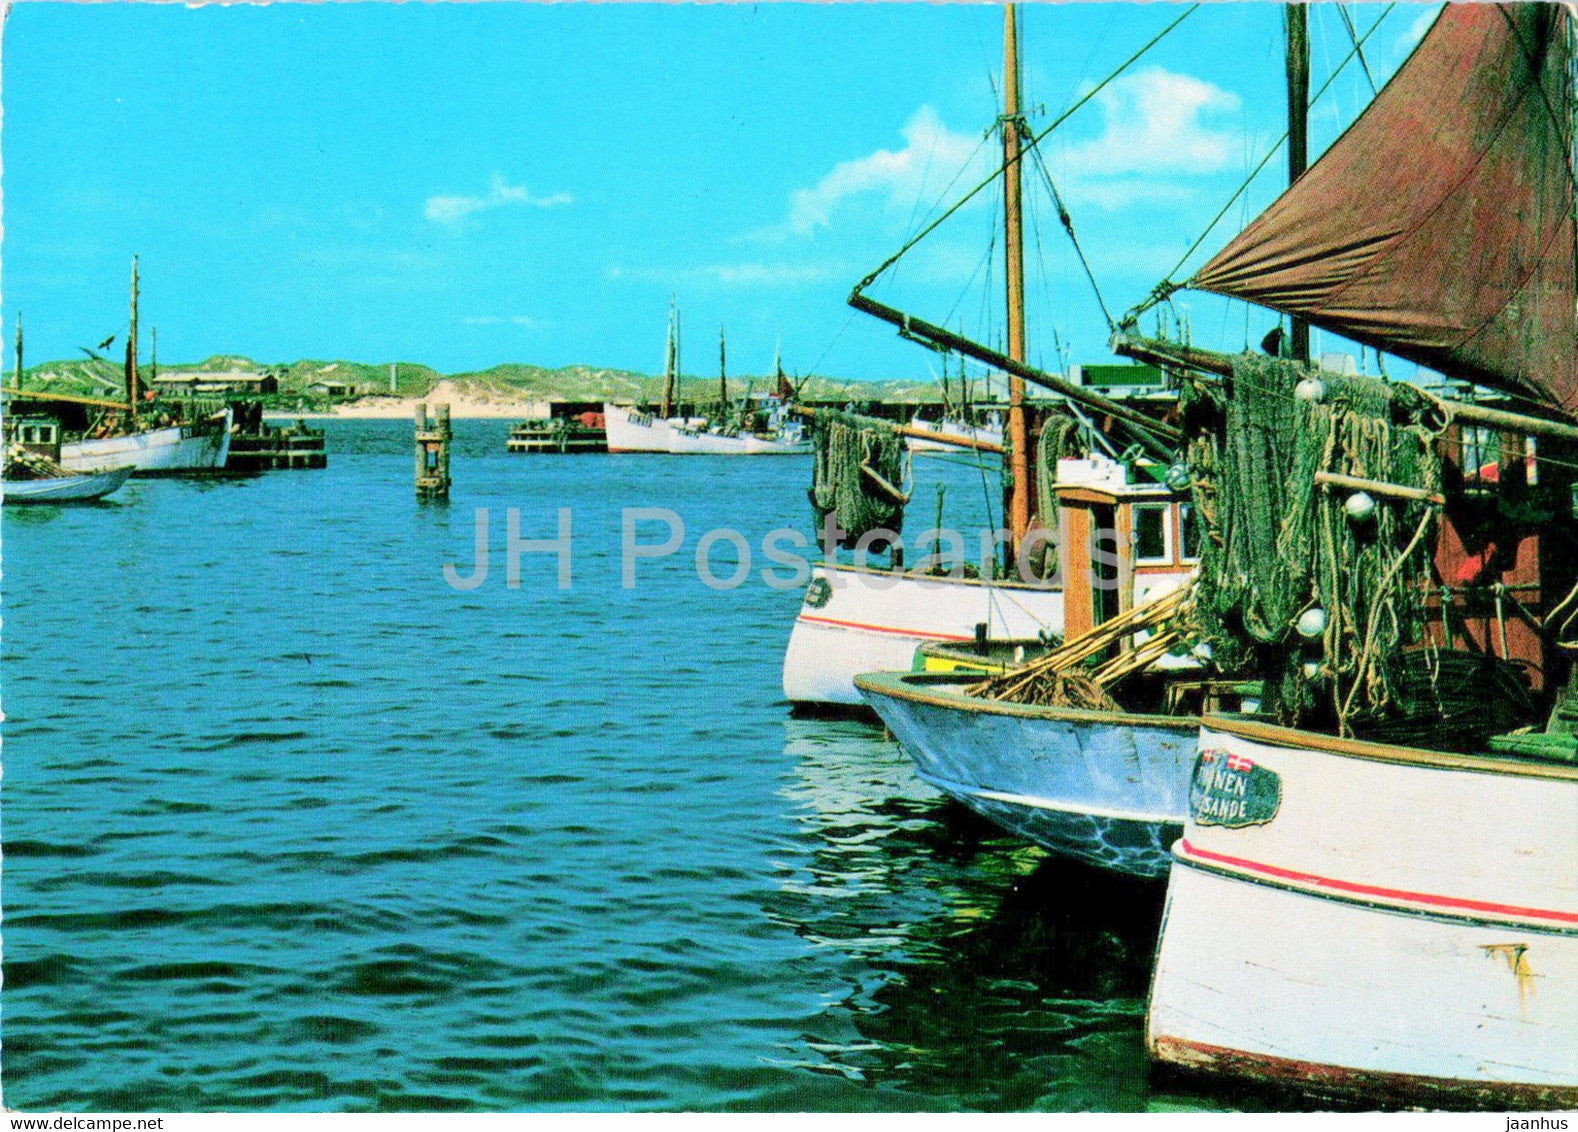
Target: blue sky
468,184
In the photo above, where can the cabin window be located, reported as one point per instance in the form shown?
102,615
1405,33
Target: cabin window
1481,449
1188,543
1152,536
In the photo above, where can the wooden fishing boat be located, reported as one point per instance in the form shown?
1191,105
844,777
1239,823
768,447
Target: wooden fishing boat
144,437
1399,919
1102,785
631,429
991,430
32,467
1364,918
175,449
1107,788
780,437
857,619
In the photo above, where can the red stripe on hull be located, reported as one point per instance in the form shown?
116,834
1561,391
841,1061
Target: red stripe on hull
881,629
1314,880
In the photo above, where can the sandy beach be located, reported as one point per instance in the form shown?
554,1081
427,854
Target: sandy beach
463,405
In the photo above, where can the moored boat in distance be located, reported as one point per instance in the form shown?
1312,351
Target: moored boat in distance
174,449
33,473
991,431
84,487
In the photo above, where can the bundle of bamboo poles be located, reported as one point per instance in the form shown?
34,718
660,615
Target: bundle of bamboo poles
1051,680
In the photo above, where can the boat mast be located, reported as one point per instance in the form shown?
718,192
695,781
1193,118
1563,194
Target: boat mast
723,381
668,367
16,374
1013,254
1296,17
133,394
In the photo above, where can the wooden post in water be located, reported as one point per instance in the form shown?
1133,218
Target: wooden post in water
432,453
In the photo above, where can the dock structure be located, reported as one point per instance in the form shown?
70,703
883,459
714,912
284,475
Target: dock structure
296,446
432,452
257,446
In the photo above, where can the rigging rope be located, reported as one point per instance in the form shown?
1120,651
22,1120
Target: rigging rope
1034,141
1164,290
1068,226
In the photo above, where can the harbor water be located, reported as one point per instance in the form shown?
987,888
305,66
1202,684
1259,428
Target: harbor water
292,823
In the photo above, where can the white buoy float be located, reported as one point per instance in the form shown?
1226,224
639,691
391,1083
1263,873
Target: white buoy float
1312,622
1311,389
1360,506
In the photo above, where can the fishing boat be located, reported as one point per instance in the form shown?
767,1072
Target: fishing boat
741,429
1093,782
84,487
32,469
169,449
136,434
786,441
1350,911
631,429
1321,931
855,619
990,430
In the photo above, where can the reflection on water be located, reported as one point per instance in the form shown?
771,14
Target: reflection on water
995,975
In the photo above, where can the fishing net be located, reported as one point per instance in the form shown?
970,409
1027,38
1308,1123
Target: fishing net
1059,437
1318,587
856,475
20,464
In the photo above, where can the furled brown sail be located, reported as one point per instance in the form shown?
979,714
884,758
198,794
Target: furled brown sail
1439,227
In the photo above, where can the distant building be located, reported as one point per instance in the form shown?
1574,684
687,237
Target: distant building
235,381
333,390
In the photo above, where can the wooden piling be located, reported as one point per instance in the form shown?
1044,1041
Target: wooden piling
432,452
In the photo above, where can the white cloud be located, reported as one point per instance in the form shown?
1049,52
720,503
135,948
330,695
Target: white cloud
932,157
1156,121
453,209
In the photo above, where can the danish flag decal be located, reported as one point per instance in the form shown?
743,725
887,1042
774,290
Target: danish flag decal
1231,790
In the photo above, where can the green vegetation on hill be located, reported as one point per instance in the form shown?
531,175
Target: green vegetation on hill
510,380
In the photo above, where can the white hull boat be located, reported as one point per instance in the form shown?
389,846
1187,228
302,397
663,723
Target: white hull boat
1351,916
991,433
1106,788
686,441
632,431
855,620
82,488
201,447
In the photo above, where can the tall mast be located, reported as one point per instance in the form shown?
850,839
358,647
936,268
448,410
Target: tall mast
668,366
1013,254
723,381
133,394
153,355
16,374
1296,17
